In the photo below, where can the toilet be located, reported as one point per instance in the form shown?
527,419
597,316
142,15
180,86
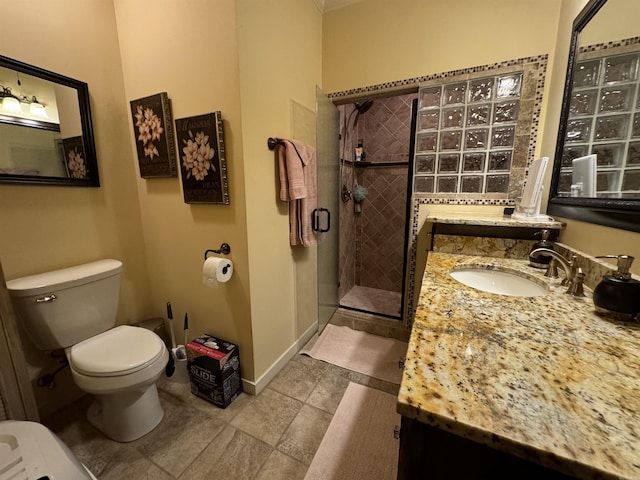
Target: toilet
75,309
30,451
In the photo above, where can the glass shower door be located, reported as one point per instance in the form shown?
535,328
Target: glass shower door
328,167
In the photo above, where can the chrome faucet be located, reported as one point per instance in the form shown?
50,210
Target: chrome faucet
569,266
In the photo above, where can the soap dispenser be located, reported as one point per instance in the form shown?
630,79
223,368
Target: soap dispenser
618,295
542,260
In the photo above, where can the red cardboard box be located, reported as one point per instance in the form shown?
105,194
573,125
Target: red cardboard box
214,369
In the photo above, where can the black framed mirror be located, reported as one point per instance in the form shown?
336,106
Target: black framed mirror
596,176
46,134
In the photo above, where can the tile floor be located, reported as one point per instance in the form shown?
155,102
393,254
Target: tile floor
272,436
373,300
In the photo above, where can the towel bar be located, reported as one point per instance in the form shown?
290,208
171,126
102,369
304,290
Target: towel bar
272,142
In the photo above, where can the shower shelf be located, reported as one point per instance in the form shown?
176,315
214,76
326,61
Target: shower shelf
374,164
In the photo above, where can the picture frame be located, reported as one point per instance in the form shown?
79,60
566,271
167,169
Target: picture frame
153,132
202,159
74,157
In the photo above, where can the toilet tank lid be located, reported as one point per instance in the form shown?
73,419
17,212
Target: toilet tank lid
63,278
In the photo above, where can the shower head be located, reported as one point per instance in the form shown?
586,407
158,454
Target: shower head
364,107
360,109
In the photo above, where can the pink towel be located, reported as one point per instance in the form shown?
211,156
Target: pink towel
297,171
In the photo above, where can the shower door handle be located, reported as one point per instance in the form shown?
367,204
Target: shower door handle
315,220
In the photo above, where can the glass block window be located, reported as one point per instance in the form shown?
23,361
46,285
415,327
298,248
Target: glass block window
604,119
466,135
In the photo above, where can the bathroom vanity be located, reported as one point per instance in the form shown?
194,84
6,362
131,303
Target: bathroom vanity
498,386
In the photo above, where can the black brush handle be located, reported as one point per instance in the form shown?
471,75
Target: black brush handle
186,327
171,366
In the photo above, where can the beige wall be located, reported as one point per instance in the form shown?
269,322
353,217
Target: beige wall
219,56
379,41
44,228
280,51
188,49
616,20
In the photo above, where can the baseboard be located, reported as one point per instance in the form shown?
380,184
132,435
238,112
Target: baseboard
254,388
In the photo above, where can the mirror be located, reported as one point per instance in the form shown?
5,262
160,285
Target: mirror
46,135
596,174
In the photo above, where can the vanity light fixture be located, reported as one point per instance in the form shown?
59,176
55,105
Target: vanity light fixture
37,109
11,103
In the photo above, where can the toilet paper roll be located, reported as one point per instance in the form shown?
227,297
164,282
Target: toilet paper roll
216,269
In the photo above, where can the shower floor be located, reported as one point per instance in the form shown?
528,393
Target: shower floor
373,300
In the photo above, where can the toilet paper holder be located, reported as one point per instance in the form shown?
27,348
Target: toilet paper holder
224,249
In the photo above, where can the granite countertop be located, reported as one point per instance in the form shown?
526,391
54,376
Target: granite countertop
543,378
493,220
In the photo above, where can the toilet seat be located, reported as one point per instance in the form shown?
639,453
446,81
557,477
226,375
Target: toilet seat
120,351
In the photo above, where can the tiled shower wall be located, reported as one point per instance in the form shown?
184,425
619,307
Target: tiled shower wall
372,242
381,226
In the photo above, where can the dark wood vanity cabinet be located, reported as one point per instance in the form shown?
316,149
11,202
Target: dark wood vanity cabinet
433,454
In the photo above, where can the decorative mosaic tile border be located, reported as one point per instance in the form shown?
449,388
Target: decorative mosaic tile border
460,200
603,46
414,82
409,308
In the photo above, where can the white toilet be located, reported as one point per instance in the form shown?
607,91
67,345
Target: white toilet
75,309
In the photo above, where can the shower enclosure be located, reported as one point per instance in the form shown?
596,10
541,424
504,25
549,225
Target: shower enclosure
375,139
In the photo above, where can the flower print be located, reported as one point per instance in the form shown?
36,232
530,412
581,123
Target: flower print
150,150
75,163
197,155
201,138
149,129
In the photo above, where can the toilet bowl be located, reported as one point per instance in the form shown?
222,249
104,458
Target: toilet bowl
30,451
75,309
120,367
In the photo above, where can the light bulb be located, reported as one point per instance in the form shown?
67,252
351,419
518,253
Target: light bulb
11,105
37,110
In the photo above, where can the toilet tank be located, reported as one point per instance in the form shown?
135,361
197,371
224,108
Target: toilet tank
61,308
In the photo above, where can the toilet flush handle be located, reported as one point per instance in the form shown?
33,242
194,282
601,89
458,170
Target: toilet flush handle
47,298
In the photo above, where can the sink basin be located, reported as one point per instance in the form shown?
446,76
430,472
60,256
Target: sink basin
502,282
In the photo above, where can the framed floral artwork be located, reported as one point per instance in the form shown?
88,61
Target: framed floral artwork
203,165
74,157
153,130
